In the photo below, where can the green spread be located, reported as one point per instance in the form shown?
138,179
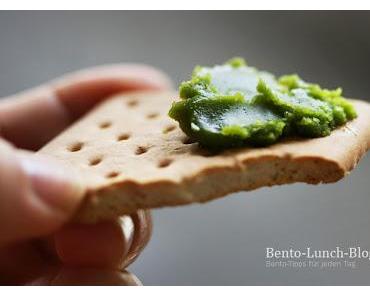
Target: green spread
234,105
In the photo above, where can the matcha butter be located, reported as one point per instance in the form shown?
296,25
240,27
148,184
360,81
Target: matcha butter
233,105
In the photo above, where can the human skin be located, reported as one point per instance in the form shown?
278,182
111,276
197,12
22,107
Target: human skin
38,196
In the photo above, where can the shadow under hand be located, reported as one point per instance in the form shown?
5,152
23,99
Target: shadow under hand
68,276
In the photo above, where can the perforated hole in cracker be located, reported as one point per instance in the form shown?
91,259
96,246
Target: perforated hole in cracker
112,174
105,124
123,136
75,147
132,102
164,163
152,115
95,161
187,140
141,150
169,128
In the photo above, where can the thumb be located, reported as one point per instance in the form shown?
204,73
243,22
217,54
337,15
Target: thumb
37,195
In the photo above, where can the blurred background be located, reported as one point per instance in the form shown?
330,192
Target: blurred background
223,242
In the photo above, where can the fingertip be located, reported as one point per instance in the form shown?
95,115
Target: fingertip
103,80
72,276
56,185
151,75
35,199
80,91
101,245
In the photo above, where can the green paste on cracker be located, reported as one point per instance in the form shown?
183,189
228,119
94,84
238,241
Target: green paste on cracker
233,105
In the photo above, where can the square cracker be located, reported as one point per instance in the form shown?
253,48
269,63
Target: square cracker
132,156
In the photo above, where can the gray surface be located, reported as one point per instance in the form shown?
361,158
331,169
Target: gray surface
221,243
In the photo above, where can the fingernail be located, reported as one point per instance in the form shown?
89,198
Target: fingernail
142,232
55,184
128,230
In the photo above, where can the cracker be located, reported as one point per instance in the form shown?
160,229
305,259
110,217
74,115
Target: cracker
133,156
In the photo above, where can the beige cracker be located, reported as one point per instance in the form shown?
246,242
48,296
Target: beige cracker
132,156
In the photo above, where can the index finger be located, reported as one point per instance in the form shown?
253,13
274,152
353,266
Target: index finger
32,118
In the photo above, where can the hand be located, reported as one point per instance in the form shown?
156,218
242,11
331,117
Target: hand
38,195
